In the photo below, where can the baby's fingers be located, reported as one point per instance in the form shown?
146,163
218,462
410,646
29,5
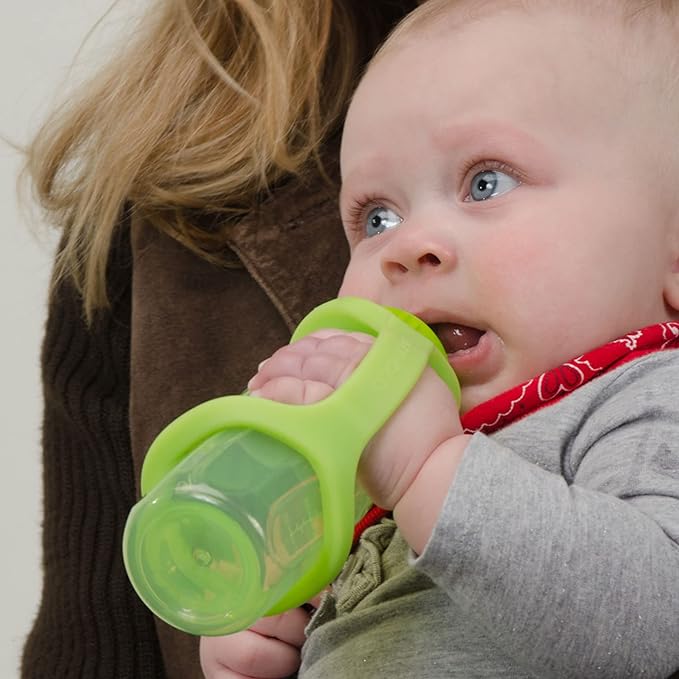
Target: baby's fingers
247,655
293,391
325,358
288,626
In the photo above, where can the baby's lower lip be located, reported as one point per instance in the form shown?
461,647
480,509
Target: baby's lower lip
477,362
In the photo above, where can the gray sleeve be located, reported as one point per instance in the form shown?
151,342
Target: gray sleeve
574,574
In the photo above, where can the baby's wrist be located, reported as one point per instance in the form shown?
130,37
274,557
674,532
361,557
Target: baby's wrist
417,511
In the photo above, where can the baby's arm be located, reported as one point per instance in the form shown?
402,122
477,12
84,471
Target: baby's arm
573,574
411,462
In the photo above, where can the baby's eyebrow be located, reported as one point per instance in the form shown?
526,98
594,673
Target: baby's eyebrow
342,198
346,190
486,132
362,176
497,140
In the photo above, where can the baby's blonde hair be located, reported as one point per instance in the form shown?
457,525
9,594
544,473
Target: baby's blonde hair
465,10
210,101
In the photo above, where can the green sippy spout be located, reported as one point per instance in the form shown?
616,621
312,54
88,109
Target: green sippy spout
249,505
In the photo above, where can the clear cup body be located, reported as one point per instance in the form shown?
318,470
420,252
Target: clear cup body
227,533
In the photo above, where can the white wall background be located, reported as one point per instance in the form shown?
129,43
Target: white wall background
39,40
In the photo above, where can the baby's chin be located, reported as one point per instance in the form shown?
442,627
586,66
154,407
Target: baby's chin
471,399
474,395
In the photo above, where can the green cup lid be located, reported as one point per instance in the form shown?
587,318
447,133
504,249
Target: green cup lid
194,566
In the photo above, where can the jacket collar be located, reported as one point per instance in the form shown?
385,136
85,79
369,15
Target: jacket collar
293,240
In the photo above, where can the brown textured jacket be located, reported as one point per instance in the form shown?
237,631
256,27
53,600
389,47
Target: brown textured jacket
179,331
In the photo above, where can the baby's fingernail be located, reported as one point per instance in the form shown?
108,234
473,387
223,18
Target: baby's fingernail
256,393
262,364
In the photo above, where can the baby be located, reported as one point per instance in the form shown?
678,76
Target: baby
509,176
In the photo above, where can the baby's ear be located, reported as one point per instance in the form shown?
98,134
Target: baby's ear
671,289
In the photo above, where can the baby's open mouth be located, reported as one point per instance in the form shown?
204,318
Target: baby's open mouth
455,337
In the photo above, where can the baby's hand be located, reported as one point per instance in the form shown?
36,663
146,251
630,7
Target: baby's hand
270,649
310,369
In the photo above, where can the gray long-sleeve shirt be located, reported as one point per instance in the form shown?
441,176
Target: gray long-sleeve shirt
556,553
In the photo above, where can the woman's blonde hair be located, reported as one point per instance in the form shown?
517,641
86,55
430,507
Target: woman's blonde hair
210,103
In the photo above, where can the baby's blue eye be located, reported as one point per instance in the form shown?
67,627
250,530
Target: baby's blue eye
490,184
380,219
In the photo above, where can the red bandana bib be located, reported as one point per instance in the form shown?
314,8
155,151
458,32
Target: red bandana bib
554,384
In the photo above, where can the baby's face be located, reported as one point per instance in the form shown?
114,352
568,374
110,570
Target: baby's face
501,181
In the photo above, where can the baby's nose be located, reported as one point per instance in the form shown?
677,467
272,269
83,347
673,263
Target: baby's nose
418,253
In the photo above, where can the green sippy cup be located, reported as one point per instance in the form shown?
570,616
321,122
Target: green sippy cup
249,505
